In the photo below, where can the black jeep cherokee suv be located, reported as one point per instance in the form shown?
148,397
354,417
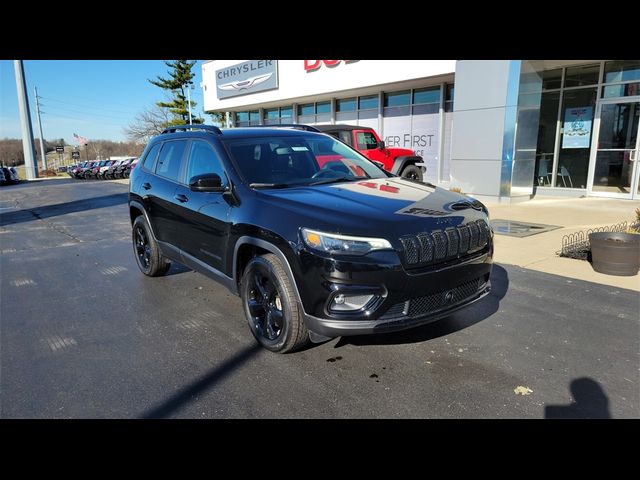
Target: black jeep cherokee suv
316,239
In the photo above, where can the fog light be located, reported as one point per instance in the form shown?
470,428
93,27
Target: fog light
349,303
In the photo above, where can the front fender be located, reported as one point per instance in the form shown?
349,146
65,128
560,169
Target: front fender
400,162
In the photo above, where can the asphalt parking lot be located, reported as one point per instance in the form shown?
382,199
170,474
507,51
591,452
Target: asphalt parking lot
85,335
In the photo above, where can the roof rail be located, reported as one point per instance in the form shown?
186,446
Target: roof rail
297,126
207,128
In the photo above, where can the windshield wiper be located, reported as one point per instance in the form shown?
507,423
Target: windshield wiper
268,185
336,179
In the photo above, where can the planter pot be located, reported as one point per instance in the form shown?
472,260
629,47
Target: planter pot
615,253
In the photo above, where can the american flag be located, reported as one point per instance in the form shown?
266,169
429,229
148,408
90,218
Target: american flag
81,140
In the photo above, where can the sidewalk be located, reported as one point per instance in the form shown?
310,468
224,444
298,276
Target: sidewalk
537,252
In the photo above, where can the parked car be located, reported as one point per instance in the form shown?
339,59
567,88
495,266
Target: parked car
109,172
3,178
10,175
313,252
401,161
126,171
104,168
119,171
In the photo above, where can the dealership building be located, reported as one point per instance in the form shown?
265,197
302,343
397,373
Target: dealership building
501,130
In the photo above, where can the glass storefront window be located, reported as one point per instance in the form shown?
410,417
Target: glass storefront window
448,99
346,104
306,109
622,90
582,75
621,71
242,117
397,99
546,138
254,117
578,107
286,112
368,102
426,95
323,107
271,114
551,79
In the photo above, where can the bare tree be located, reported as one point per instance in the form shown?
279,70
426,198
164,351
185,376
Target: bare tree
149,123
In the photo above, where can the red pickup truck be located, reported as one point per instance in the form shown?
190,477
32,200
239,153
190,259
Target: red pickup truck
401,161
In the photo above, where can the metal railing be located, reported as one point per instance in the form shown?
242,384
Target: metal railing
576,245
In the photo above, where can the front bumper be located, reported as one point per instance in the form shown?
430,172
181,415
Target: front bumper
405,298
339,328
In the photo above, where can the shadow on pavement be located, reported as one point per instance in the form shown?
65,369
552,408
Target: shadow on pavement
457,321
47,211
189,393
589,401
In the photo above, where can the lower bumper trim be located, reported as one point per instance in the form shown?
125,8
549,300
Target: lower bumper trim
338,328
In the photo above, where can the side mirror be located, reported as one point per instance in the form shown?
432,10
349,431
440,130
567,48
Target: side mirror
209,182
381,144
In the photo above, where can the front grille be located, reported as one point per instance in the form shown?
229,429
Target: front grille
441,245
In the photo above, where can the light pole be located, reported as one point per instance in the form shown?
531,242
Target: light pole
30,163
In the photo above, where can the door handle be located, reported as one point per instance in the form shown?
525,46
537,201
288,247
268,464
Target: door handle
181,198
146,185
632,155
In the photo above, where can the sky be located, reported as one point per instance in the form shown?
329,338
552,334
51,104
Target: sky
93,98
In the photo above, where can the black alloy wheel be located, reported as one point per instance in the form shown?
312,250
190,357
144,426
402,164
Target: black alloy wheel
143,249
265,305
271,307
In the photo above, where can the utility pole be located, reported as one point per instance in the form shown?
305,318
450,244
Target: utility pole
30,163
189,100
42,152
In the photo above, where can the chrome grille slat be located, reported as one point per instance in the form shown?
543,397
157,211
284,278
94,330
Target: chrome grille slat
425,248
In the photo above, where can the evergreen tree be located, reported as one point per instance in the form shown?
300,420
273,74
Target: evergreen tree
180,78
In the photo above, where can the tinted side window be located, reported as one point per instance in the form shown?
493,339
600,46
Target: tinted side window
203,159
345,136
170,159
150,157
366,141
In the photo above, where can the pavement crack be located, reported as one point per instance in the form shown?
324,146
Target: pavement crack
54,226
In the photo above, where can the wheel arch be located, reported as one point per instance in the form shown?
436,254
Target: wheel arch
247,247
400,162
135,210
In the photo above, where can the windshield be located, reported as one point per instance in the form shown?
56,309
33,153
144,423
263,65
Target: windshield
298,160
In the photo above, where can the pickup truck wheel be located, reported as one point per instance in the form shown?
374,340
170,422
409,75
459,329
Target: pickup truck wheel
412,172
148,257
270,306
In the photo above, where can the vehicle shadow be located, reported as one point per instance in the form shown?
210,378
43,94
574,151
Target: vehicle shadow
589,401
47,211
177,269
457,321
185,395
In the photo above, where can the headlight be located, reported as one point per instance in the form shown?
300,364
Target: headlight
344,244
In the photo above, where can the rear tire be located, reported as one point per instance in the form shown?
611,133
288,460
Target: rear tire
145,248
412,172
270,306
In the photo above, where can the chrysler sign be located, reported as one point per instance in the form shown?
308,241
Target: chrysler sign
247,77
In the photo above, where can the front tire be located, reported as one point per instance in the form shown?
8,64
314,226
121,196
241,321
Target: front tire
412,172
270,306
145,248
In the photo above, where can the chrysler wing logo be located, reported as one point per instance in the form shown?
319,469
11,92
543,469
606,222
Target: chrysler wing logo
246,84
